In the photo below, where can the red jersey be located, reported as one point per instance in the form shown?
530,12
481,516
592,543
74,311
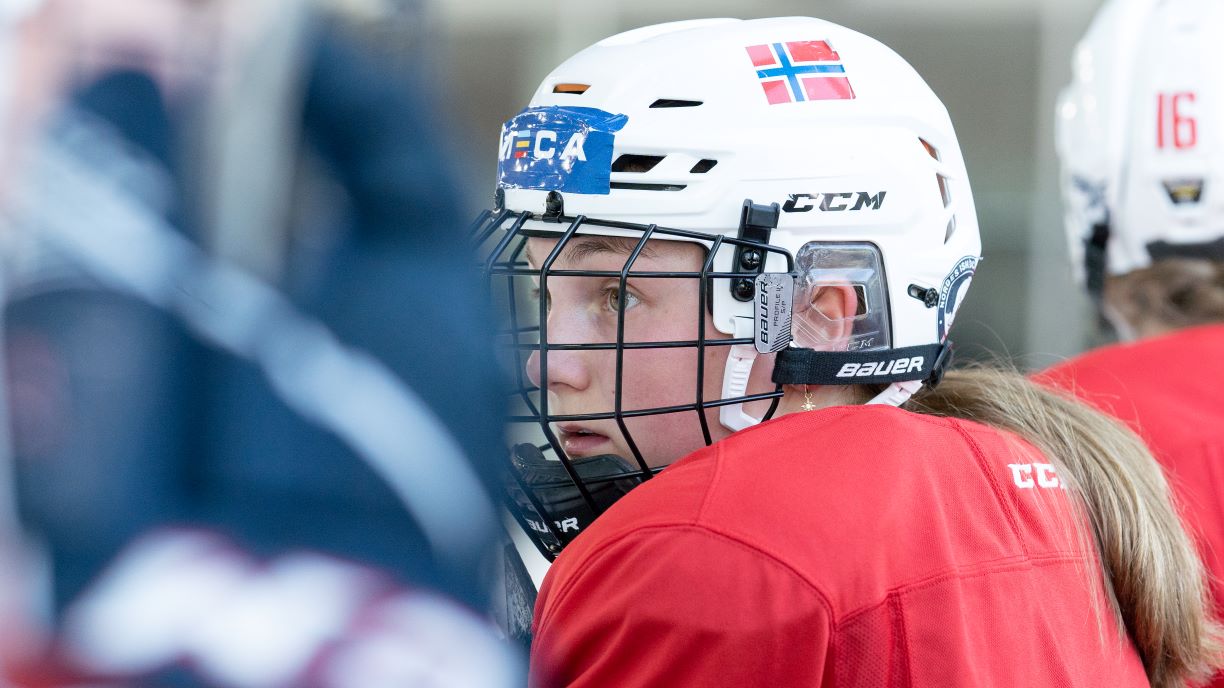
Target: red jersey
850,546
1170,390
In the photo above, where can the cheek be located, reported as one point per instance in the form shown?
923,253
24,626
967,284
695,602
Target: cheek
659,377
665,438
669,377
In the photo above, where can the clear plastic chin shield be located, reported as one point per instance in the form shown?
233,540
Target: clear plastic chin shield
667,231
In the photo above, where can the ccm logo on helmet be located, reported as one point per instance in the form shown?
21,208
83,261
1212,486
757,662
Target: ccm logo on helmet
897,366
542,144
833,202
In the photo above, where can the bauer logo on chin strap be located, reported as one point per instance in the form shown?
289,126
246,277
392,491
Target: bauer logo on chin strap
774,305
925,362
892,366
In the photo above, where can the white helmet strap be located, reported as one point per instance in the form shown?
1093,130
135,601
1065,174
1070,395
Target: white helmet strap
897,393
735,379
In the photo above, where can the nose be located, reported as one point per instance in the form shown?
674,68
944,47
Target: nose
566,369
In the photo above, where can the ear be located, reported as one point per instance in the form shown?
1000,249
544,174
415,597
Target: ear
828,321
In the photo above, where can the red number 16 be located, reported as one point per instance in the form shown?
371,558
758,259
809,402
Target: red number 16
1171,124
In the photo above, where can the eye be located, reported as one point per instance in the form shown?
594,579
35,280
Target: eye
613,296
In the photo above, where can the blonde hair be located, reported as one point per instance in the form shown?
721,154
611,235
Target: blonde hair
1170,294
1153,578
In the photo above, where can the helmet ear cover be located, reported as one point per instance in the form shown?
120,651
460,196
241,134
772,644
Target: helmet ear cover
867,356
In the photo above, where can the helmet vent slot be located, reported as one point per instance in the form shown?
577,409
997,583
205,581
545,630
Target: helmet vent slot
575,89
929,148
631,186
703,166
636,163
945,192
674,103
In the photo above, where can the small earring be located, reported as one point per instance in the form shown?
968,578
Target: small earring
807,400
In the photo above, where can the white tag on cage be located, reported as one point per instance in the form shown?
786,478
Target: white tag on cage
775,294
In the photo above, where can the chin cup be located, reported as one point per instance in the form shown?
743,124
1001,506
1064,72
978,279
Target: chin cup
550,506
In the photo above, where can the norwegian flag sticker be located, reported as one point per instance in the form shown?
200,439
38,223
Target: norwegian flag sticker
796,71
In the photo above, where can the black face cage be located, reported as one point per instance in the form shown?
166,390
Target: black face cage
555,498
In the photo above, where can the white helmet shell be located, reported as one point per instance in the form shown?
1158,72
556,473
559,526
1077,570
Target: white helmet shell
860,151
1135,135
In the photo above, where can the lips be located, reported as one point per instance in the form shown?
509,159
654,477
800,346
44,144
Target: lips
578,440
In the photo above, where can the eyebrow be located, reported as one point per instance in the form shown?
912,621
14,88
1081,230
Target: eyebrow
585,246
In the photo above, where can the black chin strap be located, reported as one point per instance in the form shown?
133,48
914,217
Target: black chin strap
926,362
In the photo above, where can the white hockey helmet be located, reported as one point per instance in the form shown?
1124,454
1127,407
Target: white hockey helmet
1142,160
790,146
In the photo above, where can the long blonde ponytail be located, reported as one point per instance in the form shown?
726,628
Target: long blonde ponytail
1152,574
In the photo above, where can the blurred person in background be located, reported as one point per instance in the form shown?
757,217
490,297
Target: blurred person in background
758,469
1142,155
253,414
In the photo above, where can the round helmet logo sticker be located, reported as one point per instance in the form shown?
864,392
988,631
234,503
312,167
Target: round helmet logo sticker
954,286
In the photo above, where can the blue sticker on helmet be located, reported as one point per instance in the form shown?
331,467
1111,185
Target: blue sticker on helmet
557,148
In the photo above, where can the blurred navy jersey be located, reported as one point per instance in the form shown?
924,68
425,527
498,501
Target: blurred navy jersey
129,429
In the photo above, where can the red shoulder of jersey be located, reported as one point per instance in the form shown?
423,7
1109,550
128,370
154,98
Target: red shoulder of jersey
822,545
1169,389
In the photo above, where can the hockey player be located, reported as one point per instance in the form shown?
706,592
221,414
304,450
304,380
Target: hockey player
1141,167
754,235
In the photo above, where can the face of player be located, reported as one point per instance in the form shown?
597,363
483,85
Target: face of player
583,310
